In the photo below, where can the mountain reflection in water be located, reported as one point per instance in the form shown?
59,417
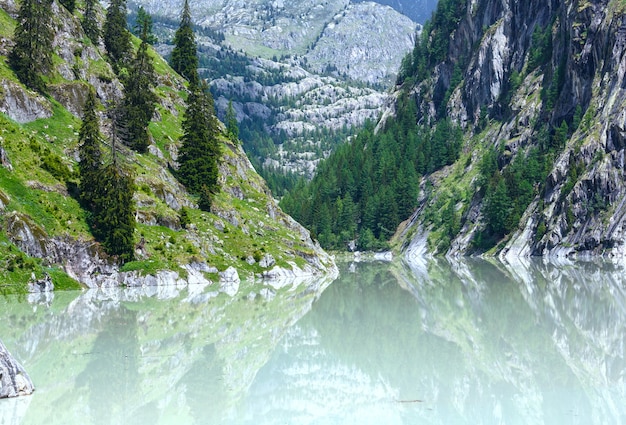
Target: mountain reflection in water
468,342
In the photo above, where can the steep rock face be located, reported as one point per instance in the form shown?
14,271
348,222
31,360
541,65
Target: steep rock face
21,105
579,209
365,42
320,103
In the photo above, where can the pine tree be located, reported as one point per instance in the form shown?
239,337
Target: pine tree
89,153
143,26
200,150
116,34
139,99
232,129
90,21
113,219
184,58
31,56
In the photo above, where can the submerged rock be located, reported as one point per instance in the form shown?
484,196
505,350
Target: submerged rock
14,381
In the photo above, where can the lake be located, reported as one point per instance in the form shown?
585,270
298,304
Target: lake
468,342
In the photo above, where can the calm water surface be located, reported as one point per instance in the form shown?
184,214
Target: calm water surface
462,343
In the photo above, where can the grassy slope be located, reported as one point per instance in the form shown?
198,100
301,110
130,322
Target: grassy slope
35,193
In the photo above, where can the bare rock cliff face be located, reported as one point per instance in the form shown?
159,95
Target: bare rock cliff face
580,208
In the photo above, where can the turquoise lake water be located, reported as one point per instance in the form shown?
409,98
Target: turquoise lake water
469,342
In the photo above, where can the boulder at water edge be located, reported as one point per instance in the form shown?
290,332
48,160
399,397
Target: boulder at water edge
13,378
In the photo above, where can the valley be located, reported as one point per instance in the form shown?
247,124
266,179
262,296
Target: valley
302,76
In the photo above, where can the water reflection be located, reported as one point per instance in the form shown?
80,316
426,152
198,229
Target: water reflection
469,342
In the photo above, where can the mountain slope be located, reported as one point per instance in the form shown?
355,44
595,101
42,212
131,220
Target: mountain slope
536,89
318,30
418,10
44,230
542,103
294,104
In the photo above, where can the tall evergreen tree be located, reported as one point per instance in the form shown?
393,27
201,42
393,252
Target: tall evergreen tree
143,26
89,153
113,215
184,58
116,34
31,56
139,99
113,218
200,151
231,123
90,21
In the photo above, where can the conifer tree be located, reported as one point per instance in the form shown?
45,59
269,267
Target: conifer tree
113,218
89,153
139,99
232,128
184,58
116,34
31,56
200,150
143,26
90,21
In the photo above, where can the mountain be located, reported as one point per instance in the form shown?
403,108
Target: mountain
418,10
370,35
302,75
530,97
45,236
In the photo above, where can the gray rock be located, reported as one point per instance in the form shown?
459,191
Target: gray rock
229,281
5,160
41,285
21,105
14,381
267,261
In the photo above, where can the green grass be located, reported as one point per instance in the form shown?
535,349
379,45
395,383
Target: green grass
7,24
146,267
62,282
61,130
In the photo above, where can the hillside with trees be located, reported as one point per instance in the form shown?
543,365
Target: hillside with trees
536,167
100,166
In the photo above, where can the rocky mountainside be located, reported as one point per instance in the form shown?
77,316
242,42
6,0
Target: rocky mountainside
300,115
301,75
418,10
44,235
370,37
538,87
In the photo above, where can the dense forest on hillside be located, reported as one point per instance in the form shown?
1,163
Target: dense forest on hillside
369,185
367,188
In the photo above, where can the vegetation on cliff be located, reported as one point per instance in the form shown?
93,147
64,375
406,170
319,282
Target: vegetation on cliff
534,94
46,232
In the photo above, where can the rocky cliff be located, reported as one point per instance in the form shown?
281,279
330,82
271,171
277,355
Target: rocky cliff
366,41
44,235
301,75
534,84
